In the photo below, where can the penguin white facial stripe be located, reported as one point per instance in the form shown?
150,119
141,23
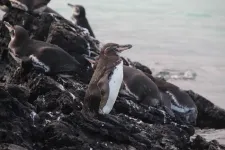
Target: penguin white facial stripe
128,90
174,98
114,87
181,109
19,5
38,63
175,106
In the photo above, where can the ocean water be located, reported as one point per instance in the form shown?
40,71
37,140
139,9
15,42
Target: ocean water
174,35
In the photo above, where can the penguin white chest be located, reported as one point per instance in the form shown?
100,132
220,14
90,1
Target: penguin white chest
114,87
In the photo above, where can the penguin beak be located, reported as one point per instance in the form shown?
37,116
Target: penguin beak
10,27
70,5
91,60
76,9
122,48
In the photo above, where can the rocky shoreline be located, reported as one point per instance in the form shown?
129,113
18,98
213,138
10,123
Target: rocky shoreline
42,112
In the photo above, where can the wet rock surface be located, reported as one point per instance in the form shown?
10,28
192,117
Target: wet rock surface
44,112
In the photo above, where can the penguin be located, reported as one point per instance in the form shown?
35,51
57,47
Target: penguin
79,17
45,57
142,87
106,81
178,100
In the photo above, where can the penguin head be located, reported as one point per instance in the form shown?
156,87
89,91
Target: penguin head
5,5
111,49
18,35
78,10
16,31
11,29
19,4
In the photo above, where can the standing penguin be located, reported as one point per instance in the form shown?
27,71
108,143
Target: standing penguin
106,81
79,18
46,57
136,83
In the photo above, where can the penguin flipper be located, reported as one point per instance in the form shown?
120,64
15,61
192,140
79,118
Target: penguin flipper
26,65
103,86
169,111
150,101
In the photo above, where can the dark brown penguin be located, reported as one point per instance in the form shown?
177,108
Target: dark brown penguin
106,81
141,86
178,100
46,57
79,18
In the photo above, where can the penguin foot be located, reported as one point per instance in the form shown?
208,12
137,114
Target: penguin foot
26,66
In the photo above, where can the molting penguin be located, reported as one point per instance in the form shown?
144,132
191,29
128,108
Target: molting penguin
106,81
138,84
46,57
79,17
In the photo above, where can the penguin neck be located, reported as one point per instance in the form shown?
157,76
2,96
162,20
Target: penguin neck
104,64
111,61
18,43
78,17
